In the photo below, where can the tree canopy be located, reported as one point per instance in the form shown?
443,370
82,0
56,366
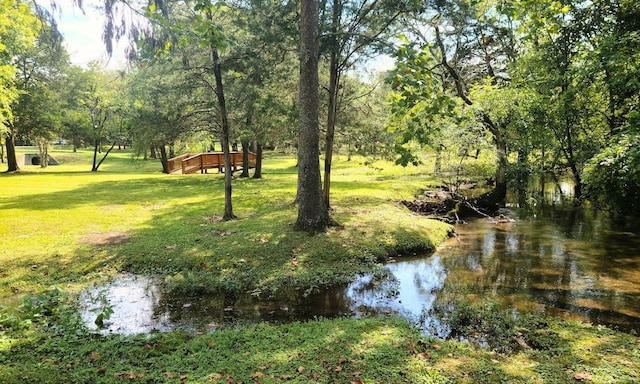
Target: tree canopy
541,85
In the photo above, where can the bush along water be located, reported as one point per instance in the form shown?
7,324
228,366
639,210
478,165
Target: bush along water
489,325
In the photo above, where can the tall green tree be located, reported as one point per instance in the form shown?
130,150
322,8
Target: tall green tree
75,121
580,63
201,27
261,74
167,104
40,77
464,44
100,101
352,30
19,29
361,117
612,176
554,65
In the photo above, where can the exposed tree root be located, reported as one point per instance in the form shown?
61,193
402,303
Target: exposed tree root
451,207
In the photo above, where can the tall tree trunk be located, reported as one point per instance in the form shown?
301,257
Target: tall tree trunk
245,158
312,214
12,161
577,188
499,192
224,140
257,174
245,145
334,81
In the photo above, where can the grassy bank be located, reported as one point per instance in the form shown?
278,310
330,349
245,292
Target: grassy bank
380,350
66,228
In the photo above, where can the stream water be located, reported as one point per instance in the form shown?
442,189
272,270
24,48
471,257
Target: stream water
544,256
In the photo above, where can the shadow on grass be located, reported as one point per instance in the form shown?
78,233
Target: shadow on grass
147,190
259,253
185,241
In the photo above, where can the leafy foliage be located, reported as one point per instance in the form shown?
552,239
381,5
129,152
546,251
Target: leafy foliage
417,100
18,31
40,309
612,177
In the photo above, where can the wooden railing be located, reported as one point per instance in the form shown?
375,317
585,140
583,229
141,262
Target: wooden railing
192,163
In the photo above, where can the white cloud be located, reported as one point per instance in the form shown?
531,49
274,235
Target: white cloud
83,35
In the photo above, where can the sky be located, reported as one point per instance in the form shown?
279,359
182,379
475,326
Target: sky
83,38
83,35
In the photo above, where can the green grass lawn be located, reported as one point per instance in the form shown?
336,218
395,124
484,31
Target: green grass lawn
63,226
66,228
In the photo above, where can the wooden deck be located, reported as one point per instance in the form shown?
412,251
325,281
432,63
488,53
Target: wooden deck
194,162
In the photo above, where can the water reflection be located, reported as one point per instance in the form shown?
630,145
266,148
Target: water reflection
552,259
532,266
142,305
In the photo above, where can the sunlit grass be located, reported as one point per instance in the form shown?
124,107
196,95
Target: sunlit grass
171,224
52,221
380,350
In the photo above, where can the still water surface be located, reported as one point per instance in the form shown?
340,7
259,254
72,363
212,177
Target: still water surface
544,257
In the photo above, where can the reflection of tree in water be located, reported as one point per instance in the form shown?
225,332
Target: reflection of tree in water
561,259
558,260
287,305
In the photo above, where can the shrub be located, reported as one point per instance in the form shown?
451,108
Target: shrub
612,177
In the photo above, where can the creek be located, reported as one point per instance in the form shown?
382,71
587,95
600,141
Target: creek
543,256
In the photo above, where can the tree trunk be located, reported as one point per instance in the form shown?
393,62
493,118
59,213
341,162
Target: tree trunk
245,158
246,145
96,166
164,159
312,214
491,199
577,188
224,140
43,152
12,161
257,174
437,169
334,81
